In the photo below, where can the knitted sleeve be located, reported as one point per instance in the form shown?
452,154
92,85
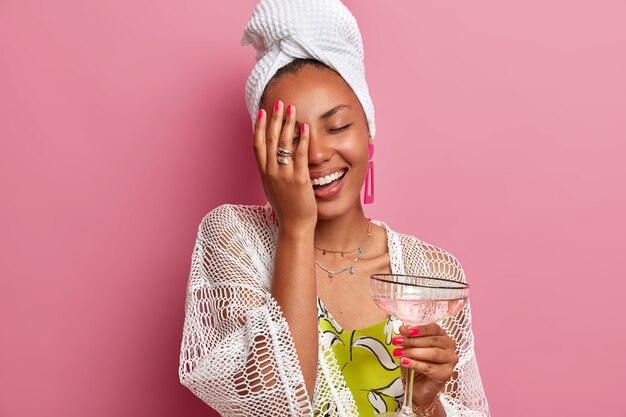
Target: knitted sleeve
237,353
463,395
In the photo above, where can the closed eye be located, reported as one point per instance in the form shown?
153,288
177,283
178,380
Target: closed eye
339,129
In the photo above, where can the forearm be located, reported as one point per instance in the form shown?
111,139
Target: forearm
294,289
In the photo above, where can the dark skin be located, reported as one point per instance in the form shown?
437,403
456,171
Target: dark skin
318,109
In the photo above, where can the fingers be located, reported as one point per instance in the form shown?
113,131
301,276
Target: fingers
424,337
439,373
428,350
301,154
259,140
278,132
434,363
432,329
434,349
430,355
285,140
273,135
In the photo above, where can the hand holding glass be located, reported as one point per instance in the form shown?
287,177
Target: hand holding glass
416,301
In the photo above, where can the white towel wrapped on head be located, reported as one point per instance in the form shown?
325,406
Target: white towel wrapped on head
325,30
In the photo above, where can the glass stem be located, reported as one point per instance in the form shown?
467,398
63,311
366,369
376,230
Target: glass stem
407,406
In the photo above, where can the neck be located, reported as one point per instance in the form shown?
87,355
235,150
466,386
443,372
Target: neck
342,233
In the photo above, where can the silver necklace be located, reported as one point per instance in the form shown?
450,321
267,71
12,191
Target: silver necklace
360,251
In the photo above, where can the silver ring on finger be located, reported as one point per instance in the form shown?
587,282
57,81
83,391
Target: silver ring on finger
283,161
284,152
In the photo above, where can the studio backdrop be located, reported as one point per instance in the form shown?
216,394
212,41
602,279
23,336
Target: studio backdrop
501,135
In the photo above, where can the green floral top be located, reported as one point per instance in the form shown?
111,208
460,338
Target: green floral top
365,357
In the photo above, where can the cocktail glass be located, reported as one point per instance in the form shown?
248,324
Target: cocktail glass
416,301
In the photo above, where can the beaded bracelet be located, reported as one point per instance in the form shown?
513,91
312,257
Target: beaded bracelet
428,411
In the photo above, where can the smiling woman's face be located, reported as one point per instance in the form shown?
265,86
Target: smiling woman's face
339,134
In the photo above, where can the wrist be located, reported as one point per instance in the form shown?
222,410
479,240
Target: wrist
427,409
299,232
426,398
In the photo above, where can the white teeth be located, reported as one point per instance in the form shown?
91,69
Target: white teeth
328,178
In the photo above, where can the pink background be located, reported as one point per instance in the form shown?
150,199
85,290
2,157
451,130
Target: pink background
501,137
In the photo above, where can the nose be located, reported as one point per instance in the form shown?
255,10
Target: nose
320,150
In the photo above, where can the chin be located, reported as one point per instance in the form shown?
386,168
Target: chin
329,210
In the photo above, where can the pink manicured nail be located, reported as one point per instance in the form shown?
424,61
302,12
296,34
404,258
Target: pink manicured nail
414,332
277,105
289,110
397,340
398,352
404,361
260,115
303,127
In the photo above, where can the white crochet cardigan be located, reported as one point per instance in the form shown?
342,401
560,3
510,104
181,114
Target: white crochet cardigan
237,353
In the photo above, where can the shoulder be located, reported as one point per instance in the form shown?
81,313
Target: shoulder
421,257
233,220
233,246
235,212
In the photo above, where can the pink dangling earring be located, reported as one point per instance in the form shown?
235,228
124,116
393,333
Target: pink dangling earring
368,192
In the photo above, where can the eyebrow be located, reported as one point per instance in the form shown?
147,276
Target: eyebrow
333,111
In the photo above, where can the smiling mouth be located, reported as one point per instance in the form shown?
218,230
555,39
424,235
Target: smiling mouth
328,181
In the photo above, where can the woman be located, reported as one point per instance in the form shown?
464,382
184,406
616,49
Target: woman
279,318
